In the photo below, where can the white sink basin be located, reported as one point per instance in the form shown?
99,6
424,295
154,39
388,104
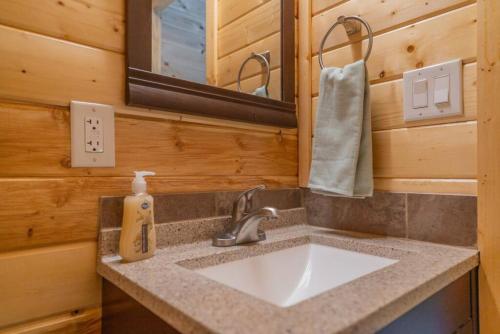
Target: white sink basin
289,276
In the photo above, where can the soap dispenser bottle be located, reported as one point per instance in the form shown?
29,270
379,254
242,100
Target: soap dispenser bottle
138,237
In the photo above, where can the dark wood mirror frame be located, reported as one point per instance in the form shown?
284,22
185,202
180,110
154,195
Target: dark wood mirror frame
156,91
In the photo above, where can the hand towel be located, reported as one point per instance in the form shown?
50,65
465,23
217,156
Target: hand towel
342,163
261,91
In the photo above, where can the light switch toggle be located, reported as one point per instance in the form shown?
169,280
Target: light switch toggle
442,89
420,94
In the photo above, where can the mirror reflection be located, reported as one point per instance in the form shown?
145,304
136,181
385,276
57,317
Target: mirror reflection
231,44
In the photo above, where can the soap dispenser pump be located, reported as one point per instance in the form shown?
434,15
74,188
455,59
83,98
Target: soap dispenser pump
138,236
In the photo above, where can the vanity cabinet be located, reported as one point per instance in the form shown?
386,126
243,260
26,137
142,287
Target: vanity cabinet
121,314
451,310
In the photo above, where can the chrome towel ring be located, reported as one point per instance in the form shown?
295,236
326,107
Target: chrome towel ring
351,28
263,59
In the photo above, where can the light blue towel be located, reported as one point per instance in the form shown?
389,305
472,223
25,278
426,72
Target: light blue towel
342,163
261,91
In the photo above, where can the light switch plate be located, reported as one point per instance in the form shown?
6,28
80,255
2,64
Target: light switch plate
453,107
92,135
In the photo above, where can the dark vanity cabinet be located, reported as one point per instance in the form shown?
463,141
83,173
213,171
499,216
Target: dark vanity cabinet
121,314
450,310
453,309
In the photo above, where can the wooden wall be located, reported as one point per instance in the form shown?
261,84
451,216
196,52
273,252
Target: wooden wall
436,156
53,52
489,164
245,27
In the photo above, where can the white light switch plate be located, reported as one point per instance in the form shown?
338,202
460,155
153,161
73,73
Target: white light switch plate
451,71
92,135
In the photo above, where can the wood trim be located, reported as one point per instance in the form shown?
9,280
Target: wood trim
305,89
428,186
178,85
149,90
212,30
139,41
288,51
144,94
489,163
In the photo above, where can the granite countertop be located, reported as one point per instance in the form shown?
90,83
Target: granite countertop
167,285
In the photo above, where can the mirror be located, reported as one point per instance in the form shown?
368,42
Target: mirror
218,43
234,58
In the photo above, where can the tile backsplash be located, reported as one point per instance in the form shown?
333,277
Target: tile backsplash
446,219
186,206
443,219
383,214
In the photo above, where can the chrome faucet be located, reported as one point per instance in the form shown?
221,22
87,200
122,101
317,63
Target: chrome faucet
245,223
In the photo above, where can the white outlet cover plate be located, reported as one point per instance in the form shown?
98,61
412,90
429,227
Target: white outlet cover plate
79,156
453,108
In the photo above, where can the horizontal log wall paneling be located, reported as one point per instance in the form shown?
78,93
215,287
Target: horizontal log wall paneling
387,103
250,84
252,27
382,16
318,6
230,10
229,65
55,210
441,38
57,51
258,26
96,23
81,321
40,282
430,156
441,151
170,148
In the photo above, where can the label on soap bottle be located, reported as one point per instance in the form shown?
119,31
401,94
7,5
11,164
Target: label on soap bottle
144,236
145,220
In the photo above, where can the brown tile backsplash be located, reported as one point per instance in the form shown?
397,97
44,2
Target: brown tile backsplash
443,219
436,218
384,213
176,207
186,206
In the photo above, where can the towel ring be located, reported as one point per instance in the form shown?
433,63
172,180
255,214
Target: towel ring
351,28
263,59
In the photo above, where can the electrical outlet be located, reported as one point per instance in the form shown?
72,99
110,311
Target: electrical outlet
92,135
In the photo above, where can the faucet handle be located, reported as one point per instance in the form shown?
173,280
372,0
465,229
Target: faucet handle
249,196
243,203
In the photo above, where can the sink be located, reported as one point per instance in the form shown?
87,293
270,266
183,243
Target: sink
287,277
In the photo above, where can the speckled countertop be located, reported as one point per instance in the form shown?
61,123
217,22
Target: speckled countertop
167,285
